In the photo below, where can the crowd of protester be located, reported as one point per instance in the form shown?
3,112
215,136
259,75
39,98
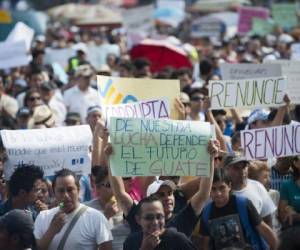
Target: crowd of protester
242,205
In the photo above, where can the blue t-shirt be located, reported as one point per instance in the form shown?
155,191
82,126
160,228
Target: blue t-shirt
290,192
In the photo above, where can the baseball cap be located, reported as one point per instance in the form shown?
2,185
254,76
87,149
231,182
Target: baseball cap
155,186
231,159
17,221
84,70
93,109
258,115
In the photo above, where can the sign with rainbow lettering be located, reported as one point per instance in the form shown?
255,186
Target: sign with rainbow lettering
116,90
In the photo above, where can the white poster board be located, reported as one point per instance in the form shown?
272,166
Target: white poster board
52,149
271,142
291,70
247,93
13,55
235,71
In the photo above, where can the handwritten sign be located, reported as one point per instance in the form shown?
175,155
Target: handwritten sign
115,90
52,149
151,109
290,69
260,92
206,27
295,51
261,27
145,147
13,55
271,142
246,14
238,71
284,14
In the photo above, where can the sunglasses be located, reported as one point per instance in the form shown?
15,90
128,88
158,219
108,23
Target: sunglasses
106,185
197,98
34,98
152,217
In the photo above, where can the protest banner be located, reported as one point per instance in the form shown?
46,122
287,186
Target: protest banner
116,90
246,14
285,14
271,142
247,93
295,51
151,109
13,55
236,71
21,32
146,147
261,27
206,27
52,149
290,69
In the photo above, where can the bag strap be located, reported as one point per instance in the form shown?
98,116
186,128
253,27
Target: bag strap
70,227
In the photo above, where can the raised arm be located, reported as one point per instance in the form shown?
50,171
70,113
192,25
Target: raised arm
281,111
202,195
118,188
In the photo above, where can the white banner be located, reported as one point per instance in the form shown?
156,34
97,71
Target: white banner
13,55
291,70
248,70
271,142
52,149
151,109
248,93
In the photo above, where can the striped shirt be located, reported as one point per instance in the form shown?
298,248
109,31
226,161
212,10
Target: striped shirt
277,178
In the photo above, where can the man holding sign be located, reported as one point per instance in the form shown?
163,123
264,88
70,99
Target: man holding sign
186,219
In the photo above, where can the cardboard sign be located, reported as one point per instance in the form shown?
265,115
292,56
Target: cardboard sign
246,16
271,142
116,90
285,14
230,71
295,51
261,27
248,93
21,32
13,55
52,149
290,69
144,147
151,109
206,27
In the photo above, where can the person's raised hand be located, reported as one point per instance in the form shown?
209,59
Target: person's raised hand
108,150
100,130
213,147
286,99
151,241
180,108
58,222
207,103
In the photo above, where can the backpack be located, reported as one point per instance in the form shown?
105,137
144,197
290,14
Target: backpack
257,242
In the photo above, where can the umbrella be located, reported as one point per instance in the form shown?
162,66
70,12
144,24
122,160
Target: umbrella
161,53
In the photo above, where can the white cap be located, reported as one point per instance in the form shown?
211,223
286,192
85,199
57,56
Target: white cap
155,186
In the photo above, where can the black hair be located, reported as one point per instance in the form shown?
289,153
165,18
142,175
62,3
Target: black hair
63,173
128,66
286,118
24,178
219,175
100,174
140,63
296,171
205,67
149,199
185,70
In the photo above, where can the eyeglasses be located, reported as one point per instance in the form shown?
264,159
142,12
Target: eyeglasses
34,98
152,217
106,185
197,98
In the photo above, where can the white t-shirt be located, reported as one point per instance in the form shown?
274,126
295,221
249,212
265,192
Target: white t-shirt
91,229
78,101
259,196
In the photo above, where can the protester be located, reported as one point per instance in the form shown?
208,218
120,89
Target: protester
232,221
23,189
16,230
91,229
154,235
